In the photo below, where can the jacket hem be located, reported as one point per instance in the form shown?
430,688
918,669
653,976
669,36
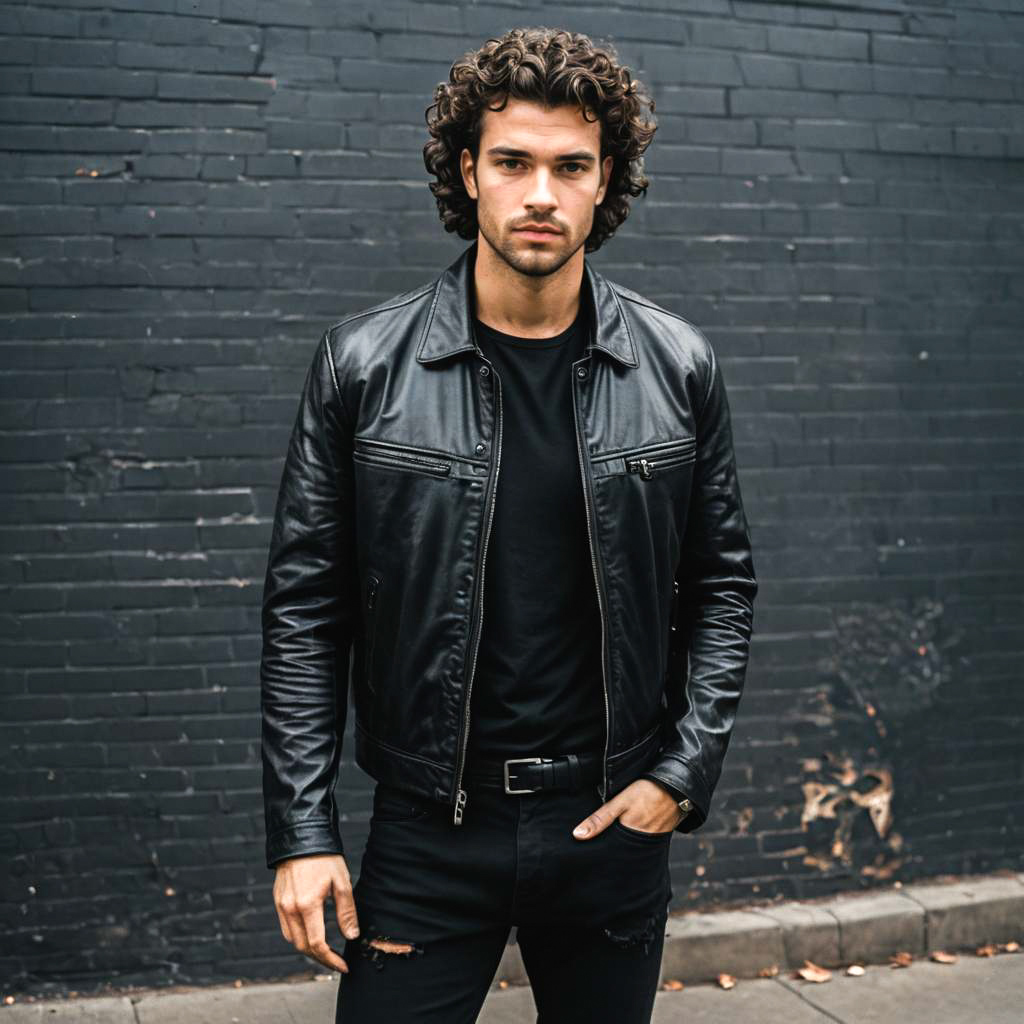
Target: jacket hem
393,766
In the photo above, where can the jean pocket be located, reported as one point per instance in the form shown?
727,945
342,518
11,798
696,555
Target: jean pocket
636,835
392,804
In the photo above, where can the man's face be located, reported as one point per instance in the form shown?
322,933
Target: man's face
536,165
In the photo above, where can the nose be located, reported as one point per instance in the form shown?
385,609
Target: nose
539,195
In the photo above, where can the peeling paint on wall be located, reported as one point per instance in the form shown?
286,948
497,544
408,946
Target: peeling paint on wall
888,664
840,793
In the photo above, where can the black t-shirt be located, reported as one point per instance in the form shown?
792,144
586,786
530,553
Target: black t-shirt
537,688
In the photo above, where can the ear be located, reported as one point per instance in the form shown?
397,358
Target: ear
468,169
606,169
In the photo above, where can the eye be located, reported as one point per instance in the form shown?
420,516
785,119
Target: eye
573,163
509,160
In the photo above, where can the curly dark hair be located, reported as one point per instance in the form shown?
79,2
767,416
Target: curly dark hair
550,66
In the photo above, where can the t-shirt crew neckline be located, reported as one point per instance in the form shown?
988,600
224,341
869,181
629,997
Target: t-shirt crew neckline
543,343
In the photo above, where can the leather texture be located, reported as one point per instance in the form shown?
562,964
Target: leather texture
374,583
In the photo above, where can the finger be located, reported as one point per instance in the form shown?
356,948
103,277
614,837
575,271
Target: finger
285,913
598,820
345,909
316,940
284,903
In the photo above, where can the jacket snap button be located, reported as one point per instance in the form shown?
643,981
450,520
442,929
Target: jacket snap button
581,372
484,370
481,446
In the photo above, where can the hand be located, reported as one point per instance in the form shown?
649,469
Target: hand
652,810
301,886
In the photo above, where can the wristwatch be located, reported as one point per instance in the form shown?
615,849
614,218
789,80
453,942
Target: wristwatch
684,802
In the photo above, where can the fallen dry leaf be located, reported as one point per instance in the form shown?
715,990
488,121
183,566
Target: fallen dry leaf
902,959
673,985
813,972
855,970
940,956
768,972
726,980
989,949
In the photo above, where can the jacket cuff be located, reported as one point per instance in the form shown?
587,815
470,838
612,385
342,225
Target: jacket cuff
302,839
683,777
677,794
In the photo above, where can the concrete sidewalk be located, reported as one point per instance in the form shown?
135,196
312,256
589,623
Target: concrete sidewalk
960,915
974,989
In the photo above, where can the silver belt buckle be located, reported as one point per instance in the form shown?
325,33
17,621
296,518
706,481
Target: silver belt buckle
523,760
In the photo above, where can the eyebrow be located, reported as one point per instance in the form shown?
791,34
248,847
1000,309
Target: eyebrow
580,154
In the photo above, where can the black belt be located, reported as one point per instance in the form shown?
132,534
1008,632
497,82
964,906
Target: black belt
530,774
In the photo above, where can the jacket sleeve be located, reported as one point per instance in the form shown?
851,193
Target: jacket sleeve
713,616
307,624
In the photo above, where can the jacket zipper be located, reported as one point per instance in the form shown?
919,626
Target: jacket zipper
460,793
647,467
646,461
600,599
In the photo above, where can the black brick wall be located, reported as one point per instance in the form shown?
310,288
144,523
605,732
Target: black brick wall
190,192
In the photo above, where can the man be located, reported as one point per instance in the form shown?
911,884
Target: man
512,496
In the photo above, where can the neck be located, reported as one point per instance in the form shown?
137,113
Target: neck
525,306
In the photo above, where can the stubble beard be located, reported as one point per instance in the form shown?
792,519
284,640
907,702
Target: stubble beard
528,261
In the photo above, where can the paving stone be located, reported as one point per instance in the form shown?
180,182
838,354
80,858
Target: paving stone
255,1004
985,990
89,1010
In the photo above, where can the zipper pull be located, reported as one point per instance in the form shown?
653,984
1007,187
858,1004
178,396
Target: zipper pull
372,595
460,806
641,466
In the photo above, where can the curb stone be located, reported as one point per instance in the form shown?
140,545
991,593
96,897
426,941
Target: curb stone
918,917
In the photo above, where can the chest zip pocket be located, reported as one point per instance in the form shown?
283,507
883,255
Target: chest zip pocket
385,453
371,627
647,461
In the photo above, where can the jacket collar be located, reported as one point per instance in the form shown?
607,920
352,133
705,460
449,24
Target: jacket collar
449,328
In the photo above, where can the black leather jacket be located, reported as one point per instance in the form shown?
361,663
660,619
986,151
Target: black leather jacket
379,544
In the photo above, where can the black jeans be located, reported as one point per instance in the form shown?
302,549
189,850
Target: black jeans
589,913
